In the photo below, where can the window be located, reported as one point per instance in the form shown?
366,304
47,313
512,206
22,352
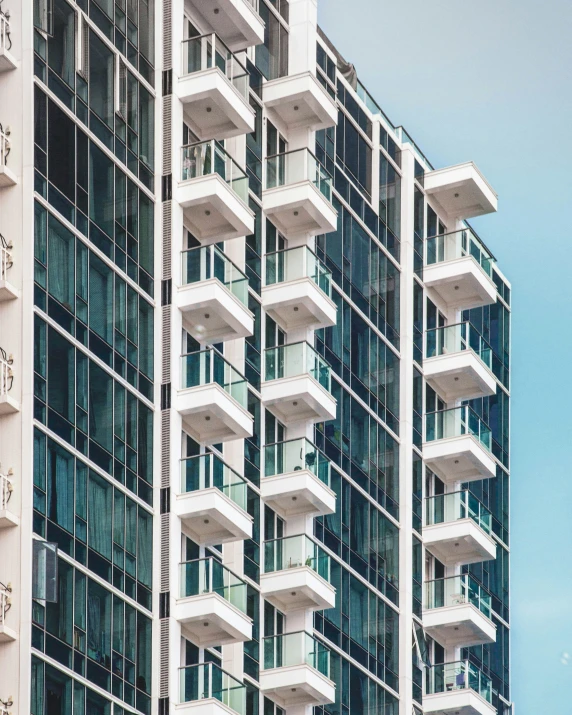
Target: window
272,56
101,79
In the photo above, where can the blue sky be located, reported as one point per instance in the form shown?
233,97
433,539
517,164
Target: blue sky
490,81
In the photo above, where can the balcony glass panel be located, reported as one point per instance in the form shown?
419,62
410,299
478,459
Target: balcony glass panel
205,158
207,680
295,263
207,51
296,649
5,41
206,262
450,246
294,455
294,360
5,603
210,576
455,591
205,367
456,338
207,470
445,508
295,166
459,675
456,422
6,376
295,551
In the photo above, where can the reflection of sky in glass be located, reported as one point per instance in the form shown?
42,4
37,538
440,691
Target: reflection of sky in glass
487,81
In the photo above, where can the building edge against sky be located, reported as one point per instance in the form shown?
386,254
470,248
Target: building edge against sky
254,378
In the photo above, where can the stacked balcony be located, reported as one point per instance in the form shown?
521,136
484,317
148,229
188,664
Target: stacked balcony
297,575
458,529
213,88
213,398
213,296
236,21
8,516
300,101
457,612
457,688
460,270
206,689
298,194
7,60
212,501
7,634
461,190
211,607
296,671
296,479
297,384
7,290
7,176
298,290
457,445
213,192
8,404
458,363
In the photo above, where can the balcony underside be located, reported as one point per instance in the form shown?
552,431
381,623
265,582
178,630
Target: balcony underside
459,542
212,314
236,22
7,61
209,517
298,399
459,459
209,620
300,101
460,283
457,702
207,706
299,304
459,376
8,518
459,626
299,208
7,634
8,405
297,588
299,492
8,291
213,108
462,191
211,415
297,685
7,177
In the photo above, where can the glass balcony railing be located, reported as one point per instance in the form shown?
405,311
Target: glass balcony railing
208,366
450,246
5,602
5,39
294,455
456,422
4,146
459,675
207,470
206,158
208,680
456,338
295,166
5,258
293,552
6,375
294,360
295,263
208,51
6,489
205,262
456,591
210,576
445,508
296,649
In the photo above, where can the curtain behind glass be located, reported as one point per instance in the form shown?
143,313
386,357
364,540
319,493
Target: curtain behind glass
99,514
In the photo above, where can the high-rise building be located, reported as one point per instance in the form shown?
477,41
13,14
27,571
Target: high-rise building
254,378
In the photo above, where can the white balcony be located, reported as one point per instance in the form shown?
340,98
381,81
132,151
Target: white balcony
211,502
8,404
7,176
298,290
461,190
296,575
213,399
296,671
296,479
297,384
458,363
459,268
213,192
300,101
7,59
8,516
7,290
298,194
237,22
7,634
457,702
211,607
457,612
206,689
213,296
457,446
457,688
213,88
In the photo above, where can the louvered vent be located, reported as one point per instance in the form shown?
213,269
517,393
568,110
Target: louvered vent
167,36
165,545
166,448
167,240
167,134
166,346
164,659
